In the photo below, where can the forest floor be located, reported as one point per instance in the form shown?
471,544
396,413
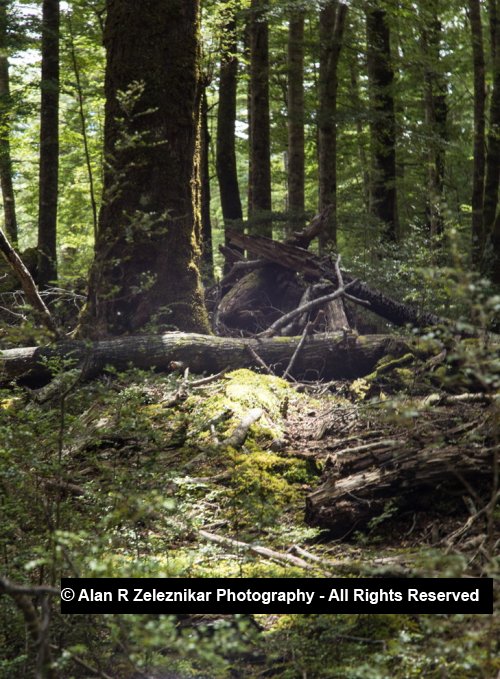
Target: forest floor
138,468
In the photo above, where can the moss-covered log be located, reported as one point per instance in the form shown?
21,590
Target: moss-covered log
394,476
331,355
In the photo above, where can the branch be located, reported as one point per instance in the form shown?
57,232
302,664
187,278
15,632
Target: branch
28,284
284,320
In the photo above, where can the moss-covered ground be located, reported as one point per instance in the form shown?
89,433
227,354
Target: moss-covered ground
130,475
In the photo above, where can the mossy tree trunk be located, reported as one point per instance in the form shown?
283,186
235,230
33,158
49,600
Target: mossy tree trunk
148,245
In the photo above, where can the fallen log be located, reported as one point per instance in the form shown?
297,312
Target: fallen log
395,477
330,355
315,268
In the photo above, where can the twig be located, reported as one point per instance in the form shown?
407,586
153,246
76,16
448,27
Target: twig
79,661
237,438
299,346
286,318
261,551
209,379
258,359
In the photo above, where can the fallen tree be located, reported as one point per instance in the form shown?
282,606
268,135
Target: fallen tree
392,475
324,355
288,256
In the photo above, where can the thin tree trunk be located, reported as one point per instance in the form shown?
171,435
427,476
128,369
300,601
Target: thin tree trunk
83,123
296,162
207,259
383,197
260,145
227,172
358,107
49,143
332,23
436,114
493,151
474,7
9,205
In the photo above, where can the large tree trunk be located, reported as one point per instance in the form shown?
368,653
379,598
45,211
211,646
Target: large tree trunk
396,472
227,173
296,162
148,245
331,355
9,206
332,23
49,144
383,197
259,207
479,130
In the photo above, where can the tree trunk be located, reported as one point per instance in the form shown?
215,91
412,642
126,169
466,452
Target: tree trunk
227,173
296,161
383,197
397,472
259,207
493,150
9,205
479,130
358,105
329,356
436,115
148,246
49,144
332,23
207,255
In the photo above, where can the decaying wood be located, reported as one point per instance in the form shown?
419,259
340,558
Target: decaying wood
322,355
363,486
313,267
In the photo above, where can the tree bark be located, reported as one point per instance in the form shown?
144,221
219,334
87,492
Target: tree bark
49,144
296,161
474,7
148,246
383,197
397,472
259,208
227,172
329,356
332,23
9,205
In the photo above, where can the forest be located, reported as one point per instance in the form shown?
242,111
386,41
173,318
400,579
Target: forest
249,327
